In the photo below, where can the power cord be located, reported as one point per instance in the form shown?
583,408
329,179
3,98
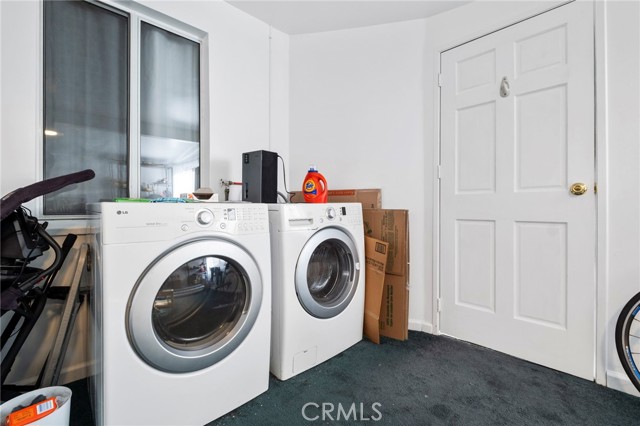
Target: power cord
284,178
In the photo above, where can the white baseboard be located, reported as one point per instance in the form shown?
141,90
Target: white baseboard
620,382
418,325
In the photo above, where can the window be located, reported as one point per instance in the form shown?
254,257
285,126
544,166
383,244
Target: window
122,97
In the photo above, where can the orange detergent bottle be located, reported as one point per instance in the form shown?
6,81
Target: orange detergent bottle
314,188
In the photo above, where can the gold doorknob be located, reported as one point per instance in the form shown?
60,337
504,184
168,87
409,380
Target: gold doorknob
578,188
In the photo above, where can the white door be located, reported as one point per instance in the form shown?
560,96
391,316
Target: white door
517,247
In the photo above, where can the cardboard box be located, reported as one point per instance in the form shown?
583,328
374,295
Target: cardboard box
375,252
394,315
391,226
370,198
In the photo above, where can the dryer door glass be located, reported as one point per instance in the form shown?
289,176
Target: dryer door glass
194,305
327,273
200,303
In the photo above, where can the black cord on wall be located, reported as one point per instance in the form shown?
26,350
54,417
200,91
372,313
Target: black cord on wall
284,178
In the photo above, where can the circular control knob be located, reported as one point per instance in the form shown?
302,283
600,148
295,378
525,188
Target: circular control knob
331,213
204,217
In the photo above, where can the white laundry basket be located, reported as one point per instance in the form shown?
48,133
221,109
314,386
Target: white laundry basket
59,417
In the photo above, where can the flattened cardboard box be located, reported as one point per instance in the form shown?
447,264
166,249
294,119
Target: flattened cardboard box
391,226
369,198
394,316
375,252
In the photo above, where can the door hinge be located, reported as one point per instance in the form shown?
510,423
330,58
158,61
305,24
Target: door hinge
439,171
440,80
595,188
438,305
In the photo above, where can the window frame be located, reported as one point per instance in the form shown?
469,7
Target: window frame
136,14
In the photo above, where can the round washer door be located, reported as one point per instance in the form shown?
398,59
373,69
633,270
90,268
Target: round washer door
194,305
327,273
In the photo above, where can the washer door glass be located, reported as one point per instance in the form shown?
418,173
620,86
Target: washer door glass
194,305
327,273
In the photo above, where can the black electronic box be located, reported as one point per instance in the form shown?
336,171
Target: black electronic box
260,177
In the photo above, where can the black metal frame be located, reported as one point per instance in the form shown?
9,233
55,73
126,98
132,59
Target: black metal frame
26,289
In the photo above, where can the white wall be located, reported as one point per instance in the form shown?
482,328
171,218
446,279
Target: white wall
246,66
620,278
357,113
20,85
279,95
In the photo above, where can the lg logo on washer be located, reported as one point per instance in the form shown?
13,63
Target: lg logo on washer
327,411
119,212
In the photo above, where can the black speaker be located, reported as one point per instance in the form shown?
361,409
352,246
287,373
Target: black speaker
260,177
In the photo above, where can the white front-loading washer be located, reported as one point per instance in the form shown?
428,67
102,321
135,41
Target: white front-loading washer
181,311
318,283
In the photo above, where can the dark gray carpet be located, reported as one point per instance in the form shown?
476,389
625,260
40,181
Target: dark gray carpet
427,380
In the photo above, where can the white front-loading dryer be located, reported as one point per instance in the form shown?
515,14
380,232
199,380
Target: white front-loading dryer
181,310
318,283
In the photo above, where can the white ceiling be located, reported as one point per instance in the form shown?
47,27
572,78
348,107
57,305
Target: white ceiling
310,16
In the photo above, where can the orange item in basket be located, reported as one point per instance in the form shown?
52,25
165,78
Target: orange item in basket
32,413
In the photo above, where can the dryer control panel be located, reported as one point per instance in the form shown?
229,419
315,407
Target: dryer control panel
139,222
344,214
301,216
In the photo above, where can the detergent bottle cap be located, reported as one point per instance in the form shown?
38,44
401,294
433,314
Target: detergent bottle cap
312,168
